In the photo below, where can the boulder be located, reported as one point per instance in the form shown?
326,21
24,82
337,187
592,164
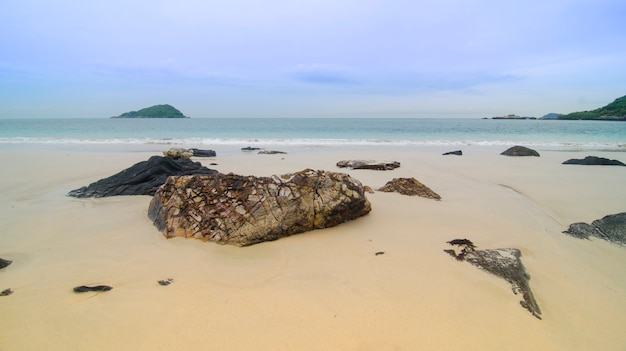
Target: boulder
245,210
457,153
177,152
364,164
610,228
593,161
410,187
519,151
142,178
503,263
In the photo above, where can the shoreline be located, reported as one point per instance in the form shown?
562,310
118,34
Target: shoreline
325,289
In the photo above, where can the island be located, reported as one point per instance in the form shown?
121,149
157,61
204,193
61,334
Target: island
156,111
615,111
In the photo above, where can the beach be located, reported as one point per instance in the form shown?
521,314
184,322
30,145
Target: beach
321,290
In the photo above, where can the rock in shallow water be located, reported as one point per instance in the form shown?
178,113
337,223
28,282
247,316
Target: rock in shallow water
245,210
142,178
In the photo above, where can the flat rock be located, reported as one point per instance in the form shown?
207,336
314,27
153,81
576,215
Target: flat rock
610,228
143,178
365,164
457,153
250,148
410,187
203,153
503,263
519,151
593,161
270,152
4,263
84,288
245,210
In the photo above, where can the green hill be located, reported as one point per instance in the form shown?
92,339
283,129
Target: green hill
615,111
156,111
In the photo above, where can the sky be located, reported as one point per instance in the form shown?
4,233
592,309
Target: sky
324,58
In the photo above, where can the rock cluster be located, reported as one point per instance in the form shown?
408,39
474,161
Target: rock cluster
519,151
178,152
411,187
245,210
610,228
363,164
142,178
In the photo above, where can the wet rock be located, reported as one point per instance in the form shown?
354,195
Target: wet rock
364,164
610,228
593,161
4,263
143,178
410,187
457,153
84,288
245,210
504,263
520,151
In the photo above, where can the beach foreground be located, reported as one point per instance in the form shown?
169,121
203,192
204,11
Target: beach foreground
321,290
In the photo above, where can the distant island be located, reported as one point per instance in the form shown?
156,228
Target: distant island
156,111
615,111
513,116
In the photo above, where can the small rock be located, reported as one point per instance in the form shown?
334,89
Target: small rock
457,152
410,187
364,164
270,152
593,161
177,152
83,288
380,253
6,292
165,282
520,151
203,153
249,148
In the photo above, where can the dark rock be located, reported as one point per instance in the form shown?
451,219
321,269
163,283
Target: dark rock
457,152
83,288
143,178
519,151
203,153
245,210
593,161
165,282
4,263
380,253
410,187
6,292
362,164
504,263
611,228
249,148
270,152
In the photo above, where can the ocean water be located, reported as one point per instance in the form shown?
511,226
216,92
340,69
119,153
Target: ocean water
573,135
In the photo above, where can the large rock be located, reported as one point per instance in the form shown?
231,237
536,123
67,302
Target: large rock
504,263
245,210
142,178
593,161
366,164
519,151
411,187
611,228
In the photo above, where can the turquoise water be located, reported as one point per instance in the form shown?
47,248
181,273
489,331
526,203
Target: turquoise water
324,131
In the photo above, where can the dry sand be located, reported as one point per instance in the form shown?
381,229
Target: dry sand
322,290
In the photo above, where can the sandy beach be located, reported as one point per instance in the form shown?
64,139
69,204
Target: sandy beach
321,290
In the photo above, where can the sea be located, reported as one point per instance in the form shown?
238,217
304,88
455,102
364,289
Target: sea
317,132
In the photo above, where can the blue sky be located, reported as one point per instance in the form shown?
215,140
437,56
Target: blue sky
325,58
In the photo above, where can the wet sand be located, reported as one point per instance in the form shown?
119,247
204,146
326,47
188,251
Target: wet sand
321,290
